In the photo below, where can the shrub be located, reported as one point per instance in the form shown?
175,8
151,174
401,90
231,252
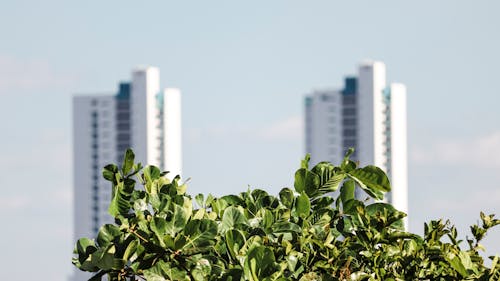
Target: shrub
162,233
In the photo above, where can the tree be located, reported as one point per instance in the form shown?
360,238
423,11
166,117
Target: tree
162,233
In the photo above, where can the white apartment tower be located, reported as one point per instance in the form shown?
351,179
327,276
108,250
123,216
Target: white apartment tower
368,115
140,116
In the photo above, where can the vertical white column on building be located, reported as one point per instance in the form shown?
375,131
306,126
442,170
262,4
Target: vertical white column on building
316,128
399,158
172,131
319,129
82,167
144,115
106,152
371,84
336,153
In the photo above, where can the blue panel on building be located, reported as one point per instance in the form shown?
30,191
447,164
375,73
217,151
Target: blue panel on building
123,91
351,86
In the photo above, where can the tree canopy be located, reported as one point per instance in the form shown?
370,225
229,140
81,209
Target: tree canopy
304,233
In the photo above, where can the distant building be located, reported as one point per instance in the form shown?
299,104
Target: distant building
366,114
140,116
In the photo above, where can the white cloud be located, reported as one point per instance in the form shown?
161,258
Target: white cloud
482,151
26,75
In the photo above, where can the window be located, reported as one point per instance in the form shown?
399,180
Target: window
349,143
122,137
349,132
122,116
349,100
123,126
122,147
349,122
123,106
325,97
349,111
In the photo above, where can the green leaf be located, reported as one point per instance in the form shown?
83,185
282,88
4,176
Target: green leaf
109,171
202,270
235,240
329,178
159,227
85,246
200,200
218,206
164,271
105,260
305,163
348,165
107,233
466,260
302,205
373,177
322,202
306,181
458,266
131,250
178,220
151,173
199,234
231,217
351,206
120,204
347,191
128,161
394,217
287,197
259,263
333,183
232,200
281,227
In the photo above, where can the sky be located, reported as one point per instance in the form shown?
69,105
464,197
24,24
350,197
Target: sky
243,68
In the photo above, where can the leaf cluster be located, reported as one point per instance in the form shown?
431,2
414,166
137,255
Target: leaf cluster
305,233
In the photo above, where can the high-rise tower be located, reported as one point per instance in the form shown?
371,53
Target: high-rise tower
140,116
368,115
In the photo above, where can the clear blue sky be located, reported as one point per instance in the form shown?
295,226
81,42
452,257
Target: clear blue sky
243,68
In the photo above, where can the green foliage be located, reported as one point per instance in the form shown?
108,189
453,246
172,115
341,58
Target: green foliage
303,234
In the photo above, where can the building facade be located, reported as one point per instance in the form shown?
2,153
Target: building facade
139,116
368,115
